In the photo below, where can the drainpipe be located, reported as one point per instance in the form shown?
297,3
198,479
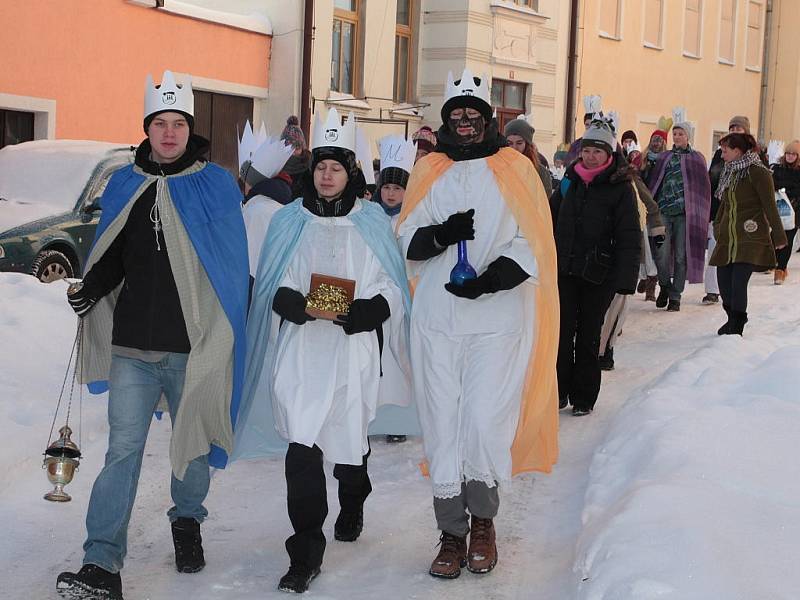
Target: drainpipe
572,61
305,77
762,101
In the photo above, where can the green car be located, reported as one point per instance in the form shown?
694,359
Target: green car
49,203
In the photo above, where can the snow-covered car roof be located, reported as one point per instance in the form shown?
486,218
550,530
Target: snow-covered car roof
46,177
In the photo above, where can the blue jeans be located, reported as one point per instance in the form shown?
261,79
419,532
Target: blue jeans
135,388
671,257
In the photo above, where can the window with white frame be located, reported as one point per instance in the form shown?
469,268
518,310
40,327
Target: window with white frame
653,34
344,57
755,33
611,19
727,31
693,28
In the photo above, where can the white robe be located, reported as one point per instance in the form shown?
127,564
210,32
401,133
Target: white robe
326,384
469,357
257,214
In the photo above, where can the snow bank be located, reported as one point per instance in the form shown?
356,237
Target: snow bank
695,493
38,329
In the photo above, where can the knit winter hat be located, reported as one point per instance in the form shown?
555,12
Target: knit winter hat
600,135
629,135
740,121
425,138
292,134
520,127
687,127
394,175
660,133
345,157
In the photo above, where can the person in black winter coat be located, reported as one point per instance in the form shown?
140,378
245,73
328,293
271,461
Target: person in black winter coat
786,175
598,244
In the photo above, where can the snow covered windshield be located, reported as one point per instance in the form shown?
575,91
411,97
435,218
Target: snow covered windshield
44,178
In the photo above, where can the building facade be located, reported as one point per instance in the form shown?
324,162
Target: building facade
781,101
76,70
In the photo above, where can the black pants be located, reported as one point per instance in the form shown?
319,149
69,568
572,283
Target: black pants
307,500
583,308
733,280
784,253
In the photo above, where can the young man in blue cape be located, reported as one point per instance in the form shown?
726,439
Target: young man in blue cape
318,382
163,302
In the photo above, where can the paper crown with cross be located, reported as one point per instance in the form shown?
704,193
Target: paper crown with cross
168,96
333,133
469,92
398,152
261,156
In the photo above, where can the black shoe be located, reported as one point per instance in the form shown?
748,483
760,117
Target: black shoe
188,545
606,361
349,525
395,439
710,299
724,329
674,306
663,298
90,583
562,402
297,579
580,412
737,322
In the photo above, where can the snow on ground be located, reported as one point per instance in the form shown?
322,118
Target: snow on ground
682,485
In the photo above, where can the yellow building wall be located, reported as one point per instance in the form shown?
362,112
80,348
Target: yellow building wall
782,106
641,83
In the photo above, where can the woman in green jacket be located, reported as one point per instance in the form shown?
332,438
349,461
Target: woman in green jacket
742,225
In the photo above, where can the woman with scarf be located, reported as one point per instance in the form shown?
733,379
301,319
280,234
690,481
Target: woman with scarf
598,242
786,175
742,226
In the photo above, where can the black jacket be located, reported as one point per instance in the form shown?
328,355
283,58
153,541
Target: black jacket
275,187
148,314
788,178
597,231
714,173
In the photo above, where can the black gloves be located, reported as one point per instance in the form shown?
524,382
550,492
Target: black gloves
79,299
291,305
502,274
658,240
458,227
364,315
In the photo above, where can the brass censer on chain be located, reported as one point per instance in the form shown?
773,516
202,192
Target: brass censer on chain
62,456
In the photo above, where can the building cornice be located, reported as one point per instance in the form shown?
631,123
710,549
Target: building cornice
457,16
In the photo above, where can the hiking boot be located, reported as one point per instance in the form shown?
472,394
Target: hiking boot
642,286
663,298
90,583
780,276
188,545
482,553
451,558
349,525
606,361
710,299
297,579
580,412
395,439
674,306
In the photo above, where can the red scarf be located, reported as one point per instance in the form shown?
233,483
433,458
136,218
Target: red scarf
587,174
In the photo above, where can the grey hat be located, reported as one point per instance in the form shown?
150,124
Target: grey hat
687,127
600,135
520,127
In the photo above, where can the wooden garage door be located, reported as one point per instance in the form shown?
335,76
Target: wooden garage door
218,117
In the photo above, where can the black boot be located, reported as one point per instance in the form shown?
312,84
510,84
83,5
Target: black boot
297,579
188,545
727,325
663,297
349,524
674,306
90,583
738,320
606,361
354,487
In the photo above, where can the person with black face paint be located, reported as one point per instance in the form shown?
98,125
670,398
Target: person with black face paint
481,348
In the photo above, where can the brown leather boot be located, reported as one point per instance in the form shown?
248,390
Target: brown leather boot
451,558
482,553
650,289
780,276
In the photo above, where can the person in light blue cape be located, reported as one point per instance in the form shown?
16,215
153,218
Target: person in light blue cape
163,305
317,383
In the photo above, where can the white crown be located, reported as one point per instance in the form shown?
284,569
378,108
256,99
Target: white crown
332,133
247,145
271,156
364,155
168,95
397,151
592,104
467,87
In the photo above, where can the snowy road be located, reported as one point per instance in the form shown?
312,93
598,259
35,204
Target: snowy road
538,527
